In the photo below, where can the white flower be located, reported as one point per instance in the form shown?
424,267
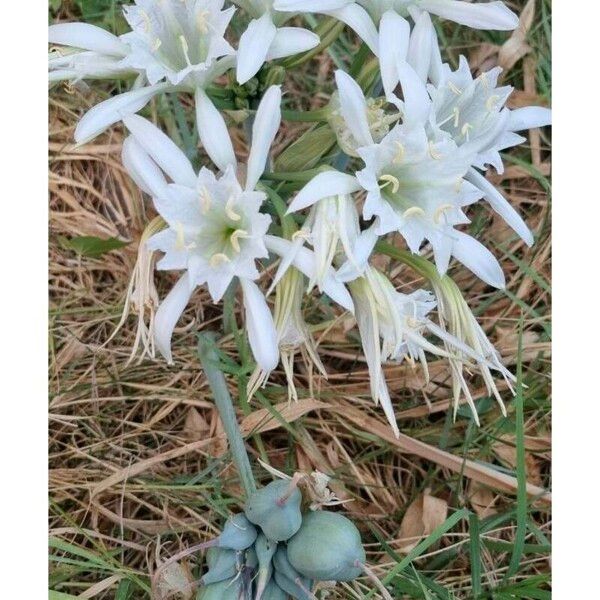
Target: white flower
215,230
175,45
392,327
415,185
265,38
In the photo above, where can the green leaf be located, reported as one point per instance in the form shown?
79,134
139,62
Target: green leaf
90,246
307,150
52,595
125,590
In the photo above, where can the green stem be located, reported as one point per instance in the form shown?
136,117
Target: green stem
216,380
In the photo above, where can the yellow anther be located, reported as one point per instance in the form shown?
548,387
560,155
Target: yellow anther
490,103
454,88
236,236
433,152
180,239
400,153
390,179
229,210
465,130
413,211
205,200
218,259
456,113
440,210
202,21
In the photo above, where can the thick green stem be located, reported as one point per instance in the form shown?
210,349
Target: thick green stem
216,381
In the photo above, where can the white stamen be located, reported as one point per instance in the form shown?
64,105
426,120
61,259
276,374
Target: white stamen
235,238
400,153
205,200
202,21
413,211
440,210
229,210
180,239
390,179
218,259
454,88
433,152
456,113
186,49
465,130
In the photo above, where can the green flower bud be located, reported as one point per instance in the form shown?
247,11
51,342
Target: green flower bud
222,564
273,75
287,578
276,509
238,533
229,589
274,592
327,547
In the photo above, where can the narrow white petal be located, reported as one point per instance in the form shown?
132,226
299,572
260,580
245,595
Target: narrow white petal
419,50
501,205
264,130
261,328
142,169
309,5
357,262
109,112
354,108
86,37
416,99
477,258
168,313
394,35
328,183
529,117
480,15
289,41
254,46
162,150
213,133
358,19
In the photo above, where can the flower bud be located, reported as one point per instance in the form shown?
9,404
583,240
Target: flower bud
229,589
327,547
274,592
222,564
287,578
276,509
238,533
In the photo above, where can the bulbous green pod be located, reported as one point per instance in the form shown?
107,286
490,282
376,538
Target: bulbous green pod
274,592
238,533
276,510
222,564
229,589
327,547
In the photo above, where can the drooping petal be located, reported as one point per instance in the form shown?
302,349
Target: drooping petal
109,112
289,41
142,169
501,205
529,117
161,148
264,130
86,37
479,15
394,35
354,108
477,258
254,47
328,183
213,133
168,313
358,19
262,334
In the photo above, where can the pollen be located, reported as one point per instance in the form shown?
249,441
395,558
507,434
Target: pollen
413,211
236,236
231,214
390,180
218,259
400,153
440,210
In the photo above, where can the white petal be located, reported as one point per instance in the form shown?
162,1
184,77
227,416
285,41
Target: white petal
477,258
419,50
289,41
481,15
213,133
261,328
416,99
162,150
86,37
254,46
358,19
143,169
501,205
264,130
328,183
356,264
529,117
309,5
394,34
105,114
168,313
354,108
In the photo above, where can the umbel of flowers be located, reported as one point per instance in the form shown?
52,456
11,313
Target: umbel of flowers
410,162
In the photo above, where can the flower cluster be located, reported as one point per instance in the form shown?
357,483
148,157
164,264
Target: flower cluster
411,160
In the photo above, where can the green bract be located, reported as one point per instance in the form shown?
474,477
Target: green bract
238,533
276,510
327,547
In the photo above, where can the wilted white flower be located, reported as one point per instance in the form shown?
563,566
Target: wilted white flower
173,45
415,184
266,39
